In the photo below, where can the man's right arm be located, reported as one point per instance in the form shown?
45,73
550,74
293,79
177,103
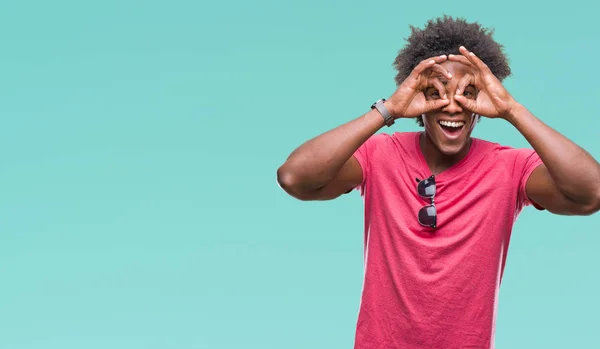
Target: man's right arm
324,167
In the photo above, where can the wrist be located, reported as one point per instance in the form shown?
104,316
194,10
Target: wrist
382,108
515,113
393,109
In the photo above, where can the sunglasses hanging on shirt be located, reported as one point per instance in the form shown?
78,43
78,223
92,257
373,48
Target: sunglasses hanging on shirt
427,215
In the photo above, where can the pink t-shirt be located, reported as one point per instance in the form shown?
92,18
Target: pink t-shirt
426,288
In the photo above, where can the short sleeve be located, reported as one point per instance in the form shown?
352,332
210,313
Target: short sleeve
522,163
366,155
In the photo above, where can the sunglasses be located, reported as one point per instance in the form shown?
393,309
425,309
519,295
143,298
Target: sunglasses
428,214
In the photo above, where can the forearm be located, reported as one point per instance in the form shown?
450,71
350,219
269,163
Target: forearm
316,162
575,172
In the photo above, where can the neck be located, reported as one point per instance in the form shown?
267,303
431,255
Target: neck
436,160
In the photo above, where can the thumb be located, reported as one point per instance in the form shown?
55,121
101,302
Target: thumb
466,103
436,104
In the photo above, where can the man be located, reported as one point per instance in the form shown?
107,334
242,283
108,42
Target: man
440,205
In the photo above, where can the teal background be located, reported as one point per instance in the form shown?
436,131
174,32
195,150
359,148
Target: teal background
139,146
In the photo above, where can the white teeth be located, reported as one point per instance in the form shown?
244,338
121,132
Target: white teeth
451,123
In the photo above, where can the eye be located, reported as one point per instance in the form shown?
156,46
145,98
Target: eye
469,92
432,93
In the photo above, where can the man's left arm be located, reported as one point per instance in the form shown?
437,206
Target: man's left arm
568,181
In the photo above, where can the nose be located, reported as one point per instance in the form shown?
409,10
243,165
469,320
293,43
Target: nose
453,107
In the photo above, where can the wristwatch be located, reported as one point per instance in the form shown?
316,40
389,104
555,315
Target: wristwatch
387,117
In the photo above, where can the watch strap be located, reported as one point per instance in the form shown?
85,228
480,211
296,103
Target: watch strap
385,113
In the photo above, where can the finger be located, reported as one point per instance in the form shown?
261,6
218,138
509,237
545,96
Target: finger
466,103
460,59
441,70
439,86
439,59
465,81
473,59
428,63
436,104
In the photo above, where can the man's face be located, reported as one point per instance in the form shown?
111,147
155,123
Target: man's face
450,127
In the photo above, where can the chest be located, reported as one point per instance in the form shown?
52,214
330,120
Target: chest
479,196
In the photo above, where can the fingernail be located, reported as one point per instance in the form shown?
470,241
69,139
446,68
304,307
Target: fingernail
432,61
449,75
471,53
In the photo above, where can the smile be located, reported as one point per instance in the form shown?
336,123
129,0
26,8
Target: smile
451,123
452,129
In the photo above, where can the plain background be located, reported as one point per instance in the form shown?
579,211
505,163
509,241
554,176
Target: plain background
139,147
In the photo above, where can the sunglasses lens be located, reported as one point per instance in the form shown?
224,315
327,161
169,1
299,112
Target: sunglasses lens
426,188
428,216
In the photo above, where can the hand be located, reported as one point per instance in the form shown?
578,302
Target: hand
493,100
409,100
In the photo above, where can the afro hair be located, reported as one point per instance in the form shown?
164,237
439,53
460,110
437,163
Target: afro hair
443,36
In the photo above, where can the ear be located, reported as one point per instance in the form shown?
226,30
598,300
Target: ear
475,120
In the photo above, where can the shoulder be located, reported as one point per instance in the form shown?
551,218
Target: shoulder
507,156
500,150
488,147
382,149
384,142
396,137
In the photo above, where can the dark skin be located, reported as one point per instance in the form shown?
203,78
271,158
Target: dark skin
440,151
453,88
